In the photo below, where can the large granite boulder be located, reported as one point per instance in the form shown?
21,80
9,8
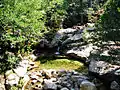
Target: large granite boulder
64,36
109,74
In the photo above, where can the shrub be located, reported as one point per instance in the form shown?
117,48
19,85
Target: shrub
108,27
23,23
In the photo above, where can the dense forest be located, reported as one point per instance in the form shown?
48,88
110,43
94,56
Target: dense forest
31,27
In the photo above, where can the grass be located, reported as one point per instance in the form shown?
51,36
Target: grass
59,64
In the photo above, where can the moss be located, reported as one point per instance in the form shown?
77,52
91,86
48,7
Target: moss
57,64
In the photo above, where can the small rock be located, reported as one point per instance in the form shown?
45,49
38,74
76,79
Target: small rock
33,82
75,73
39,85
79,81
12,79
64,88
49,85
65,84
91,24
86,85
115,86
76,86
33,57
26,78
34,77
53,79
32,63
39,74
117,72
59,87
105,53
82,52
76,78
24,63
40,80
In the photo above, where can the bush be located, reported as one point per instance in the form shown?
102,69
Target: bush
108,27
23,23
76,13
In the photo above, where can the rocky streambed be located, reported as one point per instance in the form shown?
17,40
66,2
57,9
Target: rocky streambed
68,42
27,76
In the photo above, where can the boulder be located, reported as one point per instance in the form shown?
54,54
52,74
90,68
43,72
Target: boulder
12,79
107,73
49,85
20,71
102,67
86,85
64,88
24,63
64,36
114,85
82,53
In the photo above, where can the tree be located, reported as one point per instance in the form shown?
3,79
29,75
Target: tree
108,27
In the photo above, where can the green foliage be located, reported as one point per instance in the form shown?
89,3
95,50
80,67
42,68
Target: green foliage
7,61
109,24
23,23
76,13
14,88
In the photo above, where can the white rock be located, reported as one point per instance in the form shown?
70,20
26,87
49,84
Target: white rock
91,24
24,63
12,79
85,52
33,57
105,53
20,71
32,63
68,30
33,81
40,80
26,78
53,79
34,77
